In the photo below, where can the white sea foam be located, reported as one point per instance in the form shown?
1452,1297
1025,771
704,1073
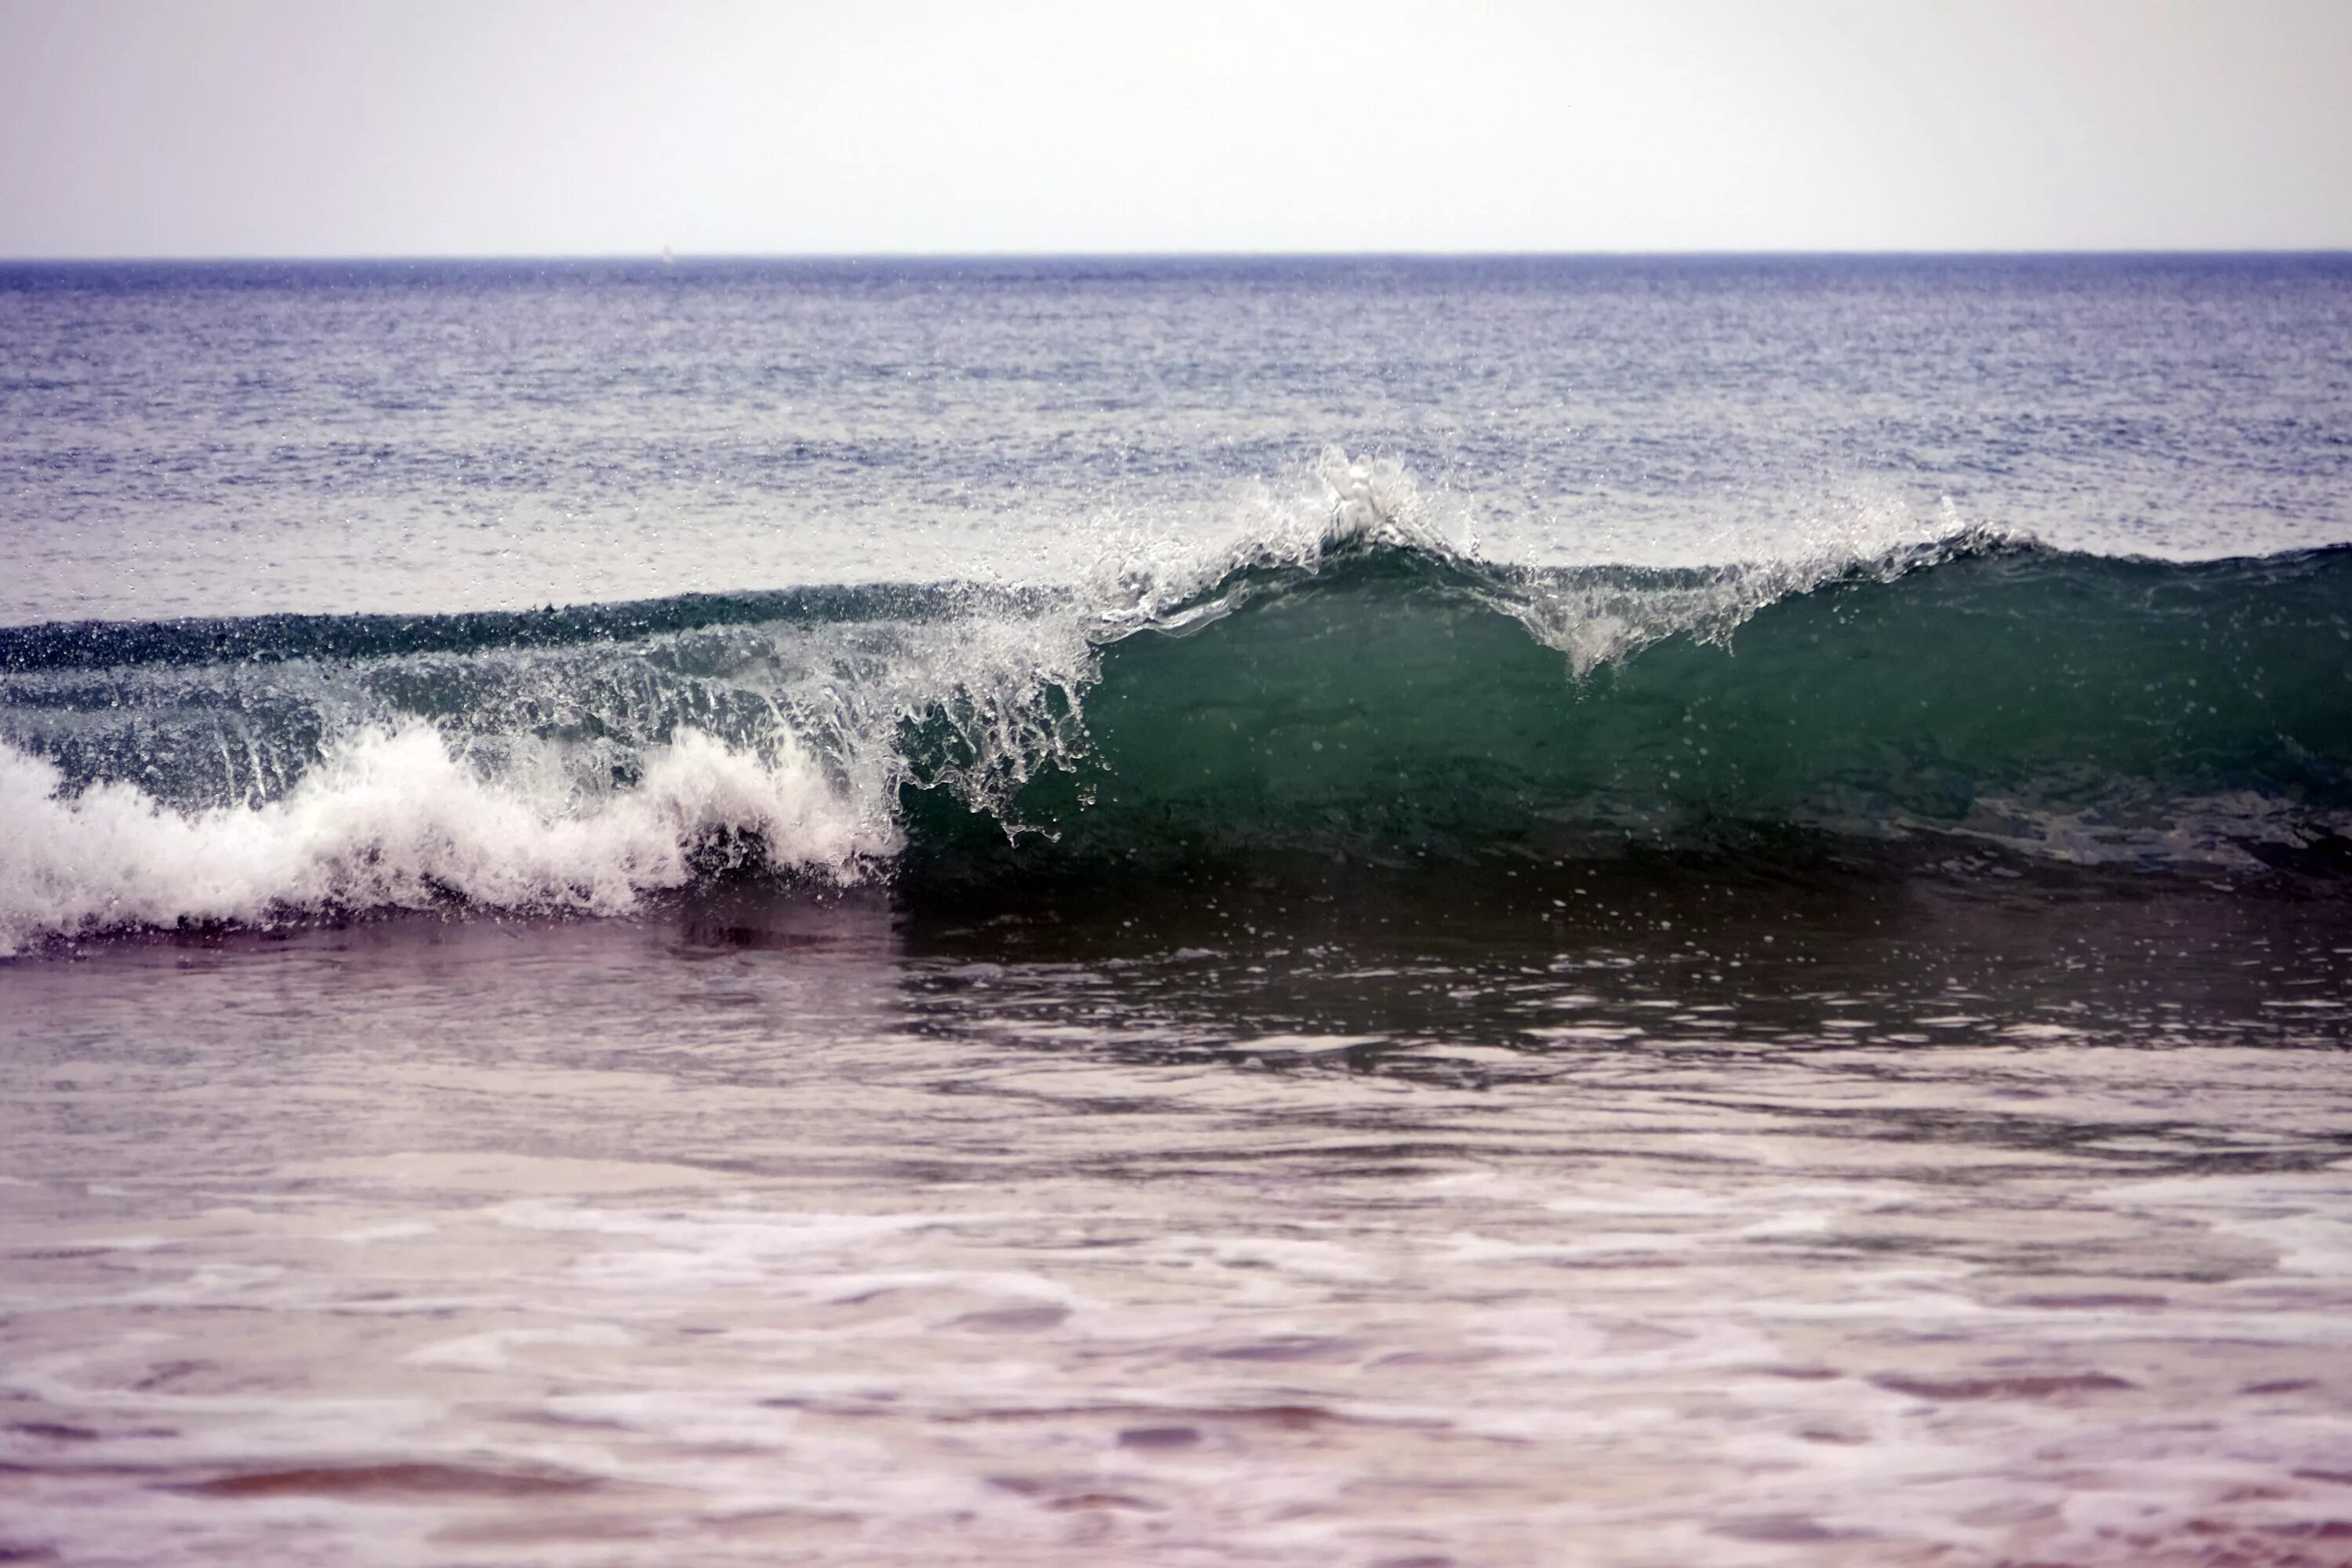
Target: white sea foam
390,818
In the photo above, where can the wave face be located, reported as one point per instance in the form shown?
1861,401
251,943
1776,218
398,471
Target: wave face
1364,690
2072,706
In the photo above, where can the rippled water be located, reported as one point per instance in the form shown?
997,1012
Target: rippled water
240,438
1686,1220
1353,913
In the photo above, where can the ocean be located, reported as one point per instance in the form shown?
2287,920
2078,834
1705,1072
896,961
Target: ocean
1368,912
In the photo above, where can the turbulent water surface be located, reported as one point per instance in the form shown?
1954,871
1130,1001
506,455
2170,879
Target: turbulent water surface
1475,912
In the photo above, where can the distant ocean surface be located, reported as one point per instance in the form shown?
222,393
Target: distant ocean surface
1357,912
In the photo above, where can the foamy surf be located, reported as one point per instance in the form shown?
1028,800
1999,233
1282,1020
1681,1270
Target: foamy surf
393,820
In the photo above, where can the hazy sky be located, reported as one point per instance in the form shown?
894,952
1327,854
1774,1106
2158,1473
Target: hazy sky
535,127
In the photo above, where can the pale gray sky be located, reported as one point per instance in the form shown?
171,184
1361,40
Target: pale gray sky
547,127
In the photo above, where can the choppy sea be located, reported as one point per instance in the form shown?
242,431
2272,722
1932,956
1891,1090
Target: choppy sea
1377,913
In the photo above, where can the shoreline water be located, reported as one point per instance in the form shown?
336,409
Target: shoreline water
1836,1225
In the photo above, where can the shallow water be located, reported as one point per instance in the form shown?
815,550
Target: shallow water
1691,1219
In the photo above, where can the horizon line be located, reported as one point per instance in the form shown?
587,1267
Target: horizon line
670,257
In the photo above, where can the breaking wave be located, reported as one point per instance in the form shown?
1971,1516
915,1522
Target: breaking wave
1340,677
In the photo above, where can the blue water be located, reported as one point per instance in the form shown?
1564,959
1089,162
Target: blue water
434,437
1352,912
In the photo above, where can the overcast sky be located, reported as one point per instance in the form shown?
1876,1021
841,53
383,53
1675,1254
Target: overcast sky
592,127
